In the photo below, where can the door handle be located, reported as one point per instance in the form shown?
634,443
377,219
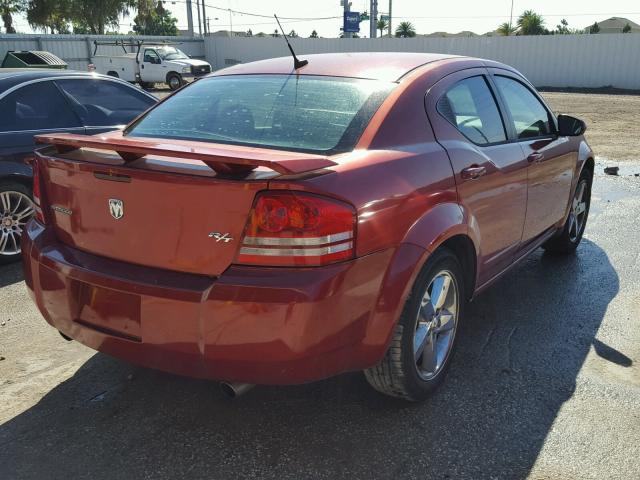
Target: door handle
535,157
473,172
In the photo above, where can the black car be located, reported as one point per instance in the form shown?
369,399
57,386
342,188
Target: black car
45,101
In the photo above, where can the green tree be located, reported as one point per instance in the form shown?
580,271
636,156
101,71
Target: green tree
95,17
275,33
293,34
595,28
626,28
563,27
155,21
530,23
382,25
249,33
52,16
405,30
507,29
8,8
314,34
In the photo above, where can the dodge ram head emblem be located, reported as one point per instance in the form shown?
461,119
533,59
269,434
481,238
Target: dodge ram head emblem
116,207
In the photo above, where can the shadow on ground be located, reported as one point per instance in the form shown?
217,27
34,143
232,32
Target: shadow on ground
521,349
10,273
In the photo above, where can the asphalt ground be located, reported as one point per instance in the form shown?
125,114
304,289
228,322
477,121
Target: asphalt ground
545,384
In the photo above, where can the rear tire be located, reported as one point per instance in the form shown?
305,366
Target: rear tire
568,239
174,81
424,339
16,209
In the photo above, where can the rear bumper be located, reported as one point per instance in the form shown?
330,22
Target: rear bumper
256,325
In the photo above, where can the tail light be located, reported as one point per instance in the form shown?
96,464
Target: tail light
37,193
298,229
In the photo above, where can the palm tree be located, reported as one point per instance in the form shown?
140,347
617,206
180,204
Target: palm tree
7,9
405,30
506,29
530,23
382,25
314,34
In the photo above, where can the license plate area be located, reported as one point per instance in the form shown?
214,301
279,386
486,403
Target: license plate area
108,311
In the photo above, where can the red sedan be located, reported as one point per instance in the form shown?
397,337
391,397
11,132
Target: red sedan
271,226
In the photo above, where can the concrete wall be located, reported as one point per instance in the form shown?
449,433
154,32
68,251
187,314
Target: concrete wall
548,61
77,49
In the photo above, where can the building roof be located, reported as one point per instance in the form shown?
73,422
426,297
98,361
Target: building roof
388,66
616,24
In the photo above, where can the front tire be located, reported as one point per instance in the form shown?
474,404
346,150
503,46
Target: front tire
16,209
568,239
424,339
174,81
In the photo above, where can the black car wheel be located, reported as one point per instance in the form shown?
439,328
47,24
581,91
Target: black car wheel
16,209
174,81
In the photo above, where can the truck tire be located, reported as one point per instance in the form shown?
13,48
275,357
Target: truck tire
111,73
424,339
174,80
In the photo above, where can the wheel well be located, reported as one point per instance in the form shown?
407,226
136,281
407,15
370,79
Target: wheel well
463,248
170,74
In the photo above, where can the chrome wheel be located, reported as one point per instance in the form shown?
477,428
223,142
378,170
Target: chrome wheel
16,209
578,214
436,325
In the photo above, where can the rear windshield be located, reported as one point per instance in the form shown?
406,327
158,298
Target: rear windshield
304,113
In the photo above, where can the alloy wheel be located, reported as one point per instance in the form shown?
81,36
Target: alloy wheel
16,209
578,213
436,325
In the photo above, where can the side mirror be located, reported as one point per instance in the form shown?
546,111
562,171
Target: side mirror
569,126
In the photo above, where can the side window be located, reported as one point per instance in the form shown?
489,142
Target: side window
104,102
37,106
529,115
151,56
469,105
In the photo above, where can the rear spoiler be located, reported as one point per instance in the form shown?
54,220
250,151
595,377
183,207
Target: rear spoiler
218,157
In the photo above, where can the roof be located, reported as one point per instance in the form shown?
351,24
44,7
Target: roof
388,66
13,76
615,24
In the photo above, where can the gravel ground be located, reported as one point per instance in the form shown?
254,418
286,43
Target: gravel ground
545,385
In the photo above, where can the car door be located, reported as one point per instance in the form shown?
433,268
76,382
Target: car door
552,159
490,171
104,104
32,109
152,68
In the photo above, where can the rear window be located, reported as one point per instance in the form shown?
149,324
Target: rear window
305,113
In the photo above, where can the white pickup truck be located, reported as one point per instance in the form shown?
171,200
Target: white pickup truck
149,64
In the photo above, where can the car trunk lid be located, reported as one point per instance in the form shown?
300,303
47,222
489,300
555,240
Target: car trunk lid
178,217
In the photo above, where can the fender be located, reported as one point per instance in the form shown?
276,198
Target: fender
437,225
585,154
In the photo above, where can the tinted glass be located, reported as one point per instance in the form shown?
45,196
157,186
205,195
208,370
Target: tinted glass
529,115
151,56
103,102
306,113
470,106
37,106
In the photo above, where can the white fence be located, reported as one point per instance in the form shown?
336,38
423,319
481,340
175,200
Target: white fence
581,61
76,50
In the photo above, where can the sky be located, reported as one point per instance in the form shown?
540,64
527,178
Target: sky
478,16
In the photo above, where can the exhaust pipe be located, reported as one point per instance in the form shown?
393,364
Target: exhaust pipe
233,390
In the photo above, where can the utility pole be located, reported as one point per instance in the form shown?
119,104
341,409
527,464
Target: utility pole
346,10
230,23
204,18
390,19
189,18
373,27
511,18
199,19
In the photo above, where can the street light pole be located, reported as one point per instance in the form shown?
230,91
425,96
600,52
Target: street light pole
199,19
373,27
189,18
346,10
511,18
204,18
390,17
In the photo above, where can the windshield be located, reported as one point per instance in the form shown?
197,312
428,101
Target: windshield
304,113
171,53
